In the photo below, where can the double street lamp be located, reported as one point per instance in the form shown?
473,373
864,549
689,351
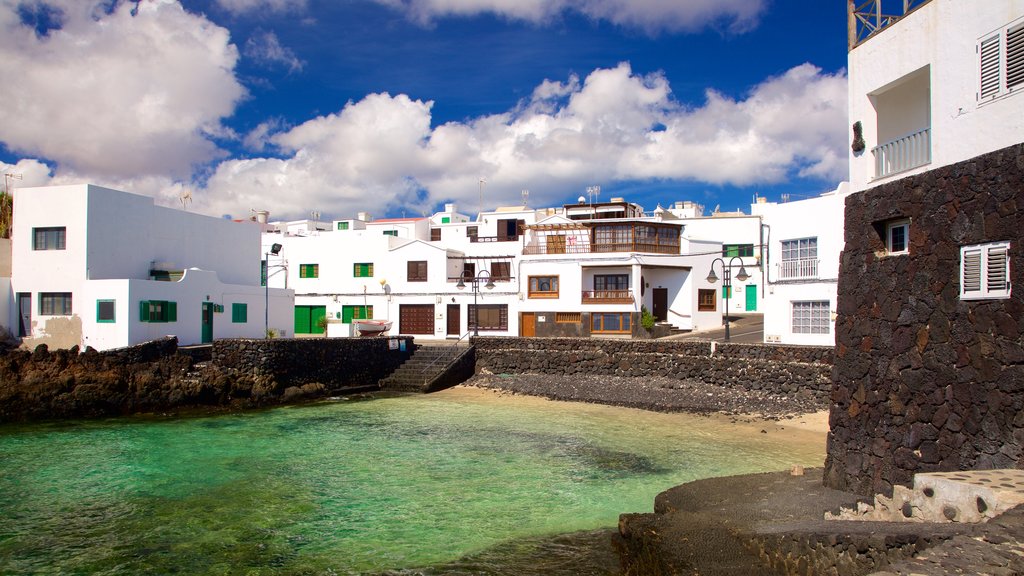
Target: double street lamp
476,280
727,283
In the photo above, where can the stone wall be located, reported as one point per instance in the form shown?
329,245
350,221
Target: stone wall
923,380
779,369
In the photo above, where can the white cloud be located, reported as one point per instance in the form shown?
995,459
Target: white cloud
265,48
115,92
381,152
652,16
243,6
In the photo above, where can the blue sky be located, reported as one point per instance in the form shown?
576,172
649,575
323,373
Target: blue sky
398,106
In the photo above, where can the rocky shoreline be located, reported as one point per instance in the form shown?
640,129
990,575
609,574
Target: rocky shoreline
659,394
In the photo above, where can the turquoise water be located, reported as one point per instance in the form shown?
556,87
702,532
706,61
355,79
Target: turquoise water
349,487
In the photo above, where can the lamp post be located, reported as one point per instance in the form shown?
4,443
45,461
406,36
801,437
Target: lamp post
727,283
476,290
275,249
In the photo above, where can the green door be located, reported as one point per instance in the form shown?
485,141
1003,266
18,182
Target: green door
207,322
307,319
751,298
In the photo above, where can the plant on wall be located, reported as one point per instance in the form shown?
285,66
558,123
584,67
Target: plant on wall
858,137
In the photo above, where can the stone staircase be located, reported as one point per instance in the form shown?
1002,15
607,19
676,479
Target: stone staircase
432,368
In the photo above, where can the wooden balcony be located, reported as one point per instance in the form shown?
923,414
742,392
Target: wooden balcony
607,296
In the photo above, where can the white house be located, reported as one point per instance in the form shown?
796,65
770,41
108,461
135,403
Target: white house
803,240
98,267
933,85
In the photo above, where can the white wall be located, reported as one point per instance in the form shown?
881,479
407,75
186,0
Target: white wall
941,37
733,230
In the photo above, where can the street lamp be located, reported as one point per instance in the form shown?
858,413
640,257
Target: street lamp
476,290
727,283
275,249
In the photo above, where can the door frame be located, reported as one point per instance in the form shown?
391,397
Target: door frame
24,314
206,323
523,323
455,316
750,296
663,315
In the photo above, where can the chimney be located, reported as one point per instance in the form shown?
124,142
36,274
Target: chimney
364,216
449,208
262,216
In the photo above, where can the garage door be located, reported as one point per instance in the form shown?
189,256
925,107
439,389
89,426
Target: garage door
416,319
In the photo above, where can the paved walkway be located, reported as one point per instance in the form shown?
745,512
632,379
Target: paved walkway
745,328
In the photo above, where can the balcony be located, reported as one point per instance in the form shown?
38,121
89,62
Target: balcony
607,296
902,154
804,269
866,18
603,238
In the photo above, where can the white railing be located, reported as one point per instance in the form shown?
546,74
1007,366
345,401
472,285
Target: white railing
903,153
794,269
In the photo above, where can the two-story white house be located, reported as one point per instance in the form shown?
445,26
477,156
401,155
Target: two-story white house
97,267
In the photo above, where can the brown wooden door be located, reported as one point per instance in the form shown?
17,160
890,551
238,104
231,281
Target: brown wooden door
454,320
528,324
416,319
660,304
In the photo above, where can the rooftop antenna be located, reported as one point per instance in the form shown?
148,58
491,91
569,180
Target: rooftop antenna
482,182
785,198
526,197
7,181
314,215
186,198
593,191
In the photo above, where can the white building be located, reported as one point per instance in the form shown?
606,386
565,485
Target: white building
934,85
803,241
98,267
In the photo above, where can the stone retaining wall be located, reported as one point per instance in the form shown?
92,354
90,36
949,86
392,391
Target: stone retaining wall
926,381
767,368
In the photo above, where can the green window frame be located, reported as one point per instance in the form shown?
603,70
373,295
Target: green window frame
350,313
391,232
446,219
342,225
362,270
239,312
106,311
309,270
158,311
741,250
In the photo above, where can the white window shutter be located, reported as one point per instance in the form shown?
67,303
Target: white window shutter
985,271
1015,56
996,269
970,272
990,84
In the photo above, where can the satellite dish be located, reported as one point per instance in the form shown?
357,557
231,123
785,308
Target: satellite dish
582,200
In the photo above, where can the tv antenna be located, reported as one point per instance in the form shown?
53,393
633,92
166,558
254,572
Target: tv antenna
526,196
186,198
593,191
7,181
482,182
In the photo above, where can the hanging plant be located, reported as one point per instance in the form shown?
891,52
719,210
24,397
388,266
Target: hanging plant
858,137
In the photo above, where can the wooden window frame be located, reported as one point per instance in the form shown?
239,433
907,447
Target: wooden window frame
500,309
625,323
534,286
435,234
568,317
501,271
703,295
416,271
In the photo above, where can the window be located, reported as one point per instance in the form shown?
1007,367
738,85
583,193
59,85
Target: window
1001,70
985,271
55,303
811,317
543,287
342,225
435,234
610,323
501,271
897,237
707,300
799,258
391,232
417,271
741,250
446,219
239,313
158,311
105,311
468,270
350,313
489,316
568,317
49,238
471,232
363,270
611,282
309,270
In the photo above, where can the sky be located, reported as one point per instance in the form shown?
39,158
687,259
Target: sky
397,107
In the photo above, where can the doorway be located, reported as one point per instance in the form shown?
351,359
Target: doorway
528,324
751,293
454,320
207,323
660,304
24,314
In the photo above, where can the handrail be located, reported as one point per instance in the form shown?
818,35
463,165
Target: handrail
449,358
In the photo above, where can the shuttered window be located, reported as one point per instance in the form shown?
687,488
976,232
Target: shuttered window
489,316
363,270
417,270
985,271
1015,57
239,313
309,270
1001,63
158,311
990,67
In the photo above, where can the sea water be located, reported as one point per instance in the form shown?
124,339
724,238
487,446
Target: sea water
456,482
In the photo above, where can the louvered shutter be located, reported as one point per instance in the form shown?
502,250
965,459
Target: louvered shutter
995,269
970,272
985,271
1015,56
990,67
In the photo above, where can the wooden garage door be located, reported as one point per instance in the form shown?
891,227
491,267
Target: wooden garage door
416,319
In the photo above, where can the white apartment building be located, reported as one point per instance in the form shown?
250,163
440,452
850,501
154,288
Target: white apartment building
803,240
102,268
933,84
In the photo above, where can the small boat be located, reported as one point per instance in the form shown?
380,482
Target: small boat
371,327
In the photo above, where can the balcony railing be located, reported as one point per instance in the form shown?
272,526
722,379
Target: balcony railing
607,296
586,247
866,18
798,269
903,153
